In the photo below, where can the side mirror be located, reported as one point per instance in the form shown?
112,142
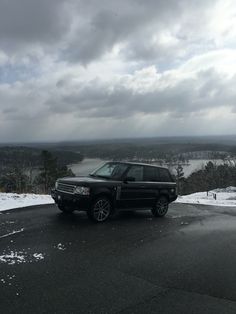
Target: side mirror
129,179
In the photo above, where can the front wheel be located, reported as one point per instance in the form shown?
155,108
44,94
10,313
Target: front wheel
100,209
65,208
161,207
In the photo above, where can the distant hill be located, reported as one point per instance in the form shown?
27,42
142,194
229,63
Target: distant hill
213,139
141,148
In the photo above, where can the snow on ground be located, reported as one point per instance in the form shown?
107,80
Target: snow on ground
13,200
217,197
224,197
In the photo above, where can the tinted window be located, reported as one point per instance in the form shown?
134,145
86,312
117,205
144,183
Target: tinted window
151,174
164,175
136,172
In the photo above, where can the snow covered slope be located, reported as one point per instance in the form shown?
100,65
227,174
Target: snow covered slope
13,200
218,197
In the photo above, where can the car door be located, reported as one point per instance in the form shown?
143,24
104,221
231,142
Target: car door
151,179
133,190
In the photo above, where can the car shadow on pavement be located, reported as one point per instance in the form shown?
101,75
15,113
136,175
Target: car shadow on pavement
137,217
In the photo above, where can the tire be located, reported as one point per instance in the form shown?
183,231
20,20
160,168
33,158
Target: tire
100,209
65,208
161,206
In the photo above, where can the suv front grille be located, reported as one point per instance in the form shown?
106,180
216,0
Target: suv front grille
66,188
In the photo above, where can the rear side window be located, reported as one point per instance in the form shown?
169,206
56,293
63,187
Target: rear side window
151,174
154,174
136,172
164,175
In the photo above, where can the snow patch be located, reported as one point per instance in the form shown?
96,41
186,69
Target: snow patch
60,246
12,258
11,233
20,257
38,256
217,197
13,200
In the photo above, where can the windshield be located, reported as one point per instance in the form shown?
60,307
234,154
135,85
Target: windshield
111,170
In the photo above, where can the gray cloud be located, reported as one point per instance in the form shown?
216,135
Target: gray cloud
113,68
83,31
30,22
140,28
208,89
94,99
116,23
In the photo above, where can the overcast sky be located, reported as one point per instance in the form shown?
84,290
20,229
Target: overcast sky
85,69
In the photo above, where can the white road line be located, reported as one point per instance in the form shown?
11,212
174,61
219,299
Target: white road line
13,232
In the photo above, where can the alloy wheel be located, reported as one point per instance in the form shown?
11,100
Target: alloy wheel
101,209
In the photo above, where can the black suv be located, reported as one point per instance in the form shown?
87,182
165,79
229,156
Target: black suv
117,186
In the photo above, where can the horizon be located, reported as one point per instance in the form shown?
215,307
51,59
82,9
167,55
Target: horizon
81,141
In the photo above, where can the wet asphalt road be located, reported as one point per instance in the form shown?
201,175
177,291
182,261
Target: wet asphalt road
183,263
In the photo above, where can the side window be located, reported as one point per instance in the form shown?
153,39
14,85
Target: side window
151,174
118,171
164,175
136,172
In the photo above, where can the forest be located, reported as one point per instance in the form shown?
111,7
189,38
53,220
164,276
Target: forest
212,176
31,170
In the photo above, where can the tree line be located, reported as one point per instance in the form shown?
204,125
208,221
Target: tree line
147,151
211,177
24,175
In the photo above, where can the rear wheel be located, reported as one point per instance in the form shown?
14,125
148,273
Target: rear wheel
161,207
100,209
65,208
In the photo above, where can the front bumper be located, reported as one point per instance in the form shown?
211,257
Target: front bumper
79,202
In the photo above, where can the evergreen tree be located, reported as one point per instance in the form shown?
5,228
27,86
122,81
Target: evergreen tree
179,177
14,181
50,171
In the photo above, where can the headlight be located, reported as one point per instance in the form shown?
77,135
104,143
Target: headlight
56,185
82,190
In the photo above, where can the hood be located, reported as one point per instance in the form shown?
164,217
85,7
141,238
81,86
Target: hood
81,179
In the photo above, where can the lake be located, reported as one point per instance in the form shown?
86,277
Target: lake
89,164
